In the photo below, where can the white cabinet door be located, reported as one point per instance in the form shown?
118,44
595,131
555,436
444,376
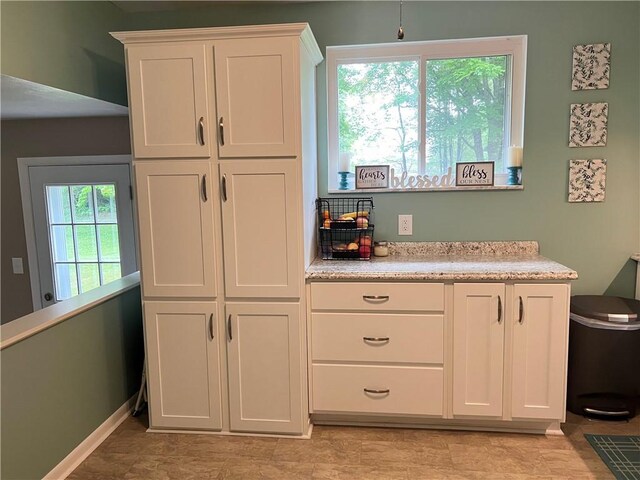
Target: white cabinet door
175,211
540,317
183,364
168,100
264,351
478,348
261,229
256,91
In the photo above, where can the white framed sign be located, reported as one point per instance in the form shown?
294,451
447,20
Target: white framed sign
474,174
372,176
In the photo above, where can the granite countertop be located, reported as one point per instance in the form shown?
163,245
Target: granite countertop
447,261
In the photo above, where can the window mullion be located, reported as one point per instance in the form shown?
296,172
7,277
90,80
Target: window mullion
422,117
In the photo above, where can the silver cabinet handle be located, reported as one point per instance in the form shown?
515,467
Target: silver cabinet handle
375,339
221,130
373,390
595,411
211,332
229,332
204,188
375,297
499,309
201,130
521,312
224,188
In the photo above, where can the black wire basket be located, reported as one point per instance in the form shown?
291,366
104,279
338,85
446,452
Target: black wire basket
345,228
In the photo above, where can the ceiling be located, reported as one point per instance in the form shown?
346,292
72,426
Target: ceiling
21,99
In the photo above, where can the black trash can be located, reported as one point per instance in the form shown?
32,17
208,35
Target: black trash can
604,356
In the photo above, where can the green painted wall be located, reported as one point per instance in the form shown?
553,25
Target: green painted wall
594,239
58,386
65,45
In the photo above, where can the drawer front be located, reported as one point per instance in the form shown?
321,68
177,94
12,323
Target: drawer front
377,296
370,337
411,390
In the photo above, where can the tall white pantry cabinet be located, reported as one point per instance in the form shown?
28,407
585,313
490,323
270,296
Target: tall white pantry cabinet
223,136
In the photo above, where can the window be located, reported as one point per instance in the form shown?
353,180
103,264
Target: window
422,107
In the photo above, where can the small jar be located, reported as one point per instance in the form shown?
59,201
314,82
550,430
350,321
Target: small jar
381,249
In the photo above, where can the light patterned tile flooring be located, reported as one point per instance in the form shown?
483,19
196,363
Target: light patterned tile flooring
352,453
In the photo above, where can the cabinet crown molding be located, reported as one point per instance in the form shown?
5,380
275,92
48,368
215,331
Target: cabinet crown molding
302,30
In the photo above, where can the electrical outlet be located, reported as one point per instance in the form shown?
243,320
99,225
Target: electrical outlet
405,224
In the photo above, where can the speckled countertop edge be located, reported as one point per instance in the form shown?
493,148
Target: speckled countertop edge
483,261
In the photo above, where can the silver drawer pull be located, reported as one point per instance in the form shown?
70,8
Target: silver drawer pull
373,390
595,411
375,339
375,297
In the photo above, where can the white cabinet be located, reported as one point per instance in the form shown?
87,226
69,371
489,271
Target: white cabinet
262,256
175,214
183,364
265,360
256,97
168,100
541,314
478,348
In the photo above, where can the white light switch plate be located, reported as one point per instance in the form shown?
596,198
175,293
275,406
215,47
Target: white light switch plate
18,268
405,224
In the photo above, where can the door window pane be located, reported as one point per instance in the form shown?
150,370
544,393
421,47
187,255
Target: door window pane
465,112
89,276
86,242
105,201
58,204
108,242
62,243
82,203
66,281
378,105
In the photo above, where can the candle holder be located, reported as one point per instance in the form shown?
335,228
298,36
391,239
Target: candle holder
343,181
515,176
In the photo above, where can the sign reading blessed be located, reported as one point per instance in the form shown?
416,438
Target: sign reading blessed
477,174
372,176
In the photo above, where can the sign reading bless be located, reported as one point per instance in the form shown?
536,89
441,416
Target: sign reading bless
474,174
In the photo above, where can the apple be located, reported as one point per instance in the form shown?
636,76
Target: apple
365,251
325,215
327,223
362,222
365,241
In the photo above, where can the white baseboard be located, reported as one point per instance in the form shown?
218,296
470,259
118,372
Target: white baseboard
93,441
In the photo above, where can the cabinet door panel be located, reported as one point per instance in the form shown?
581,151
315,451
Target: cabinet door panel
478,349
176,229
261,252
168,98
255,93
183,364
265,361
539,351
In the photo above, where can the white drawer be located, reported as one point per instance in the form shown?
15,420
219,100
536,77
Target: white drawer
377,296
372,337
411,390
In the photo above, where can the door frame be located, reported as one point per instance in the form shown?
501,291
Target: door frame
27,208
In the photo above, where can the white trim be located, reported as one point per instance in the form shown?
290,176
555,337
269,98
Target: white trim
27,208
514,45
27,326
89,444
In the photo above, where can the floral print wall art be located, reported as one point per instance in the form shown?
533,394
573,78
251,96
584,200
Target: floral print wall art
591,66
587,180
588,124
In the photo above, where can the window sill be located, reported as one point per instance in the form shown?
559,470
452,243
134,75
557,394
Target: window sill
439,189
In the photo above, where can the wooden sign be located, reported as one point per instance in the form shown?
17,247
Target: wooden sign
372,176
474,174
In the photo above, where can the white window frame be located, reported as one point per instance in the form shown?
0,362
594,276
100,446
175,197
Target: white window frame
514,46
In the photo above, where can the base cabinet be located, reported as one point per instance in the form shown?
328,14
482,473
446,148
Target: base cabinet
265,364
183,365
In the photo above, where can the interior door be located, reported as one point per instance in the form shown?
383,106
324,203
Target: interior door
83,225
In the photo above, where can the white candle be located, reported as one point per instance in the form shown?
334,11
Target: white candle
514,158
345,162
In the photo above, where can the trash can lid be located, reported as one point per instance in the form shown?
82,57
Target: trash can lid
608,309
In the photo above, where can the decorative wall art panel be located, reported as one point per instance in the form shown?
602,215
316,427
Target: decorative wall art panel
591,66
587,180
588,124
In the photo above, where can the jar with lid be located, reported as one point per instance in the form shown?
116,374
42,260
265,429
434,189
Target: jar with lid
381,249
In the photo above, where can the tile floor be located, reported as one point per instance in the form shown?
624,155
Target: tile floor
341,453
